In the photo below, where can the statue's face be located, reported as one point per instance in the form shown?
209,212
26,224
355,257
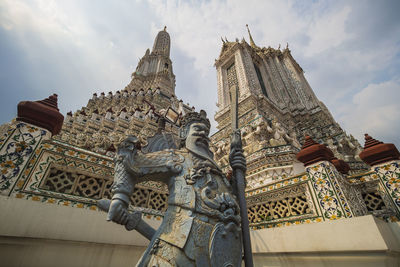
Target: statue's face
197,137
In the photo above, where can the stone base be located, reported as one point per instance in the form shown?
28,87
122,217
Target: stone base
350,259
360,241
39,234
47,235
37,252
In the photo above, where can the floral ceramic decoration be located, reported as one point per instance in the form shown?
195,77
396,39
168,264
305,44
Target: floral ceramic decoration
390,177
15,153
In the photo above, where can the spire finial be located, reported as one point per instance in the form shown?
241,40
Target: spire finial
165,28
252,44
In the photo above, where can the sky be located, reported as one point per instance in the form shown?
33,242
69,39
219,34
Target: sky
349,51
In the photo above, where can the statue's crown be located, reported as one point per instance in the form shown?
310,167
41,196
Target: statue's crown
195,117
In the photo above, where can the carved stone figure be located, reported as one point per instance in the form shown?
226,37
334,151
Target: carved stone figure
293,140
278,132
138,113
181,110
347,148
333,148
150,115
260,132
201,226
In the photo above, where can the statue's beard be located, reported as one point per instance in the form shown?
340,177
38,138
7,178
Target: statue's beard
203,142
199,144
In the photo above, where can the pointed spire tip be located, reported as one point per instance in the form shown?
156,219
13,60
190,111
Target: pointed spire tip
252,44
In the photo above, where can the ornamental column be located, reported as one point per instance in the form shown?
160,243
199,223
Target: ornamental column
384,160
36,121
326,181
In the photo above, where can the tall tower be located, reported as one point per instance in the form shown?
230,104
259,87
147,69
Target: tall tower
266,73
108,118
277,108
155,68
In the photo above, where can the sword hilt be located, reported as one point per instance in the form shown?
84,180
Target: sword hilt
135,221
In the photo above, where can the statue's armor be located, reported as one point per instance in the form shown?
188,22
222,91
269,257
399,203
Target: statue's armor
202,218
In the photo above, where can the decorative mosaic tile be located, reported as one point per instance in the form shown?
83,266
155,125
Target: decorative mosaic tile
285,188
390,177
80,205
16,151
36,172
337,178
78,153
365,177
50,153
6,134
278,185
288,223
325,188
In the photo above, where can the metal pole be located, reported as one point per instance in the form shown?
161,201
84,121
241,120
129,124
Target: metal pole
248,257
239,176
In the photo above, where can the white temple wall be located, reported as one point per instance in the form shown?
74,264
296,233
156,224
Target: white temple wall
359,241
38,234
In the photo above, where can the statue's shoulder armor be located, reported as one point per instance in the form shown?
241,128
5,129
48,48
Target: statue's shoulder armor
155,162
159,158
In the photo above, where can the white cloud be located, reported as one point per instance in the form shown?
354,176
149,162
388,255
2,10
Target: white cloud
78,47
83,49
327,31
375,110
339,60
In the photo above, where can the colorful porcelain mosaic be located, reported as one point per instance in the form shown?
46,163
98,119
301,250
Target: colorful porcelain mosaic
361,178
325,186
27,156
290,201
288,223
277,185
91,168
390,177
88,206
340,187
16,150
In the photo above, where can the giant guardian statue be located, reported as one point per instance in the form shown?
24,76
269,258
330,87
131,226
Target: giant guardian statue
201,226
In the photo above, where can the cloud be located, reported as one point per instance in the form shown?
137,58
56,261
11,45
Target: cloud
333,42
327,31
71,48
76,48
375,110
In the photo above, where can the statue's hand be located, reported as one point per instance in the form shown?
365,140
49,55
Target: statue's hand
236,140
237,159
118,212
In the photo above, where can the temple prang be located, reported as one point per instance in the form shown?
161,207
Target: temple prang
303,169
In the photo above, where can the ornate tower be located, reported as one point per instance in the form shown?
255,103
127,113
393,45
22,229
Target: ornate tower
108,118
265,73
46,171
155,69
277,109
76,163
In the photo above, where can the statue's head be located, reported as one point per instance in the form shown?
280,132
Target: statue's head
130,144
194,131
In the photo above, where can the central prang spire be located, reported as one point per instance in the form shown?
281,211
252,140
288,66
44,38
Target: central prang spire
162,43
252,44
154,69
